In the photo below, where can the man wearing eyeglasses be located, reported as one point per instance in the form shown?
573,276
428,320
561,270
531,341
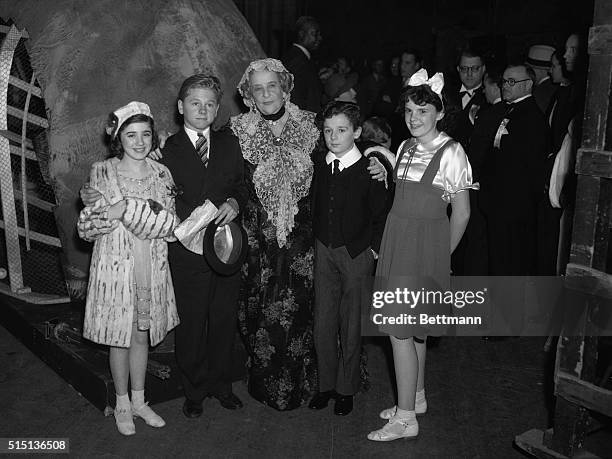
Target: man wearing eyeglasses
468,99
513,177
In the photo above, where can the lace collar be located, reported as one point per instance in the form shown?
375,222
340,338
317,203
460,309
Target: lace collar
283,167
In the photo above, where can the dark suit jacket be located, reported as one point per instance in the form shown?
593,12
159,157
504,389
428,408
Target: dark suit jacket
481,141
392,89
307,88
368,93
365,210
461,126
564,106
223,178
512,179
543,94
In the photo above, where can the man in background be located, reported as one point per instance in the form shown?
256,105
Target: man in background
307,88
539,59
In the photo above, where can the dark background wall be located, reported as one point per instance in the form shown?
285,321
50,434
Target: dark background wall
364,29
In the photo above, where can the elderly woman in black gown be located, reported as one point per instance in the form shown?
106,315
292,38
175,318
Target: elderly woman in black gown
277,139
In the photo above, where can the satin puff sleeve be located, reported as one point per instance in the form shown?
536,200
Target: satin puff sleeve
456,171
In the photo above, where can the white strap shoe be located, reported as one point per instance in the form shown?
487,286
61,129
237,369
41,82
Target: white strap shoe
150,417
394,429
420,407
125,421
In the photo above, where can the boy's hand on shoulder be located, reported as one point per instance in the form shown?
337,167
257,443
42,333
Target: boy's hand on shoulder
162,137
376,169
156,154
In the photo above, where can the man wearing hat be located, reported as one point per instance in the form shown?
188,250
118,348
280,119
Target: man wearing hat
538,59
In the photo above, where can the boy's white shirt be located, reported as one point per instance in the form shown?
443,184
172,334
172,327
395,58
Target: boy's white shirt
347,159
193,135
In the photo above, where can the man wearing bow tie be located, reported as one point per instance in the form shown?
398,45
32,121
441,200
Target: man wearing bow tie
468,100
475,240
513,177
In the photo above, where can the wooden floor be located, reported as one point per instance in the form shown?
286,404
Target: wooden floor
480,394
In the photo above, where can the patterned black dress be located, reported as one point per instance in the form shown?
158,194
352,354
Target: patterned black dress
275,306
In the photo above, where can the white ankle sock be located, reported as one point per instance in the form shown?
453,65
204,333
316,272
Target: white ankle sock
123,401
138,398
420,395
407,415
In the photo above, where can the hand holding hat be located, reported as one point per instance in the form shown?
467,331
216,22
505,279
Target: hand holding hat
191,230
224,247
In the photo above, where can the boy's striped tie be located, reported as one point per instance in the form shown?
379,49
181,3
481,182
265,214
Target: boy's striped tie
202,148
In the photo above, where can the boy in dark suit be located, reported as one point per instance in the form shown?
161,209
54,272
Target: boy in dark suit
349,212
205,164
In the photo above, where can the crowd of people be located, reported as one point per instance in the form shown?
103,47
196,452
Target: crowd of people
478,186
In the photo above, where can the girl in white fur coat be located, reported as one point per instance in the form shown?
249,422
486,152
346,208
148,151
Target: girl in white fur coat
130,298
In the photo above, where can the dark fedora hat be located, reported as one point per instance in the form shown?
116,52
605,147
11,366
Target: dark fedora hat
225,250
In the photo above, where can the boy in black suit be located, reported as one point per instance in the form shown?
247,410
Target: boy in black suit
205,164
349,212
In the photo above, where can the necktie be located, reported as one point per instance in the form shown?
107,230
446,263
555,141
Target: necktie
336,168
202,148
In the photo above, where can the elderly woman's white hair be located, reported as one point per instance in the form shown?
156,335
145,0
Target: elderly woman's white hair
265,65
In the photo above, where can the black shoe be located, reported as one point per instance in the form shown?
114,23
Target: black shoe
344,405
229,400
192,409
321,399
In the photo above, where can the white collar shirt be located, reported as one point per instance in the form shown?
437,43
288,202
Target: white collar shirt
469,93
543,80
193,136
304,50
521,99
347,160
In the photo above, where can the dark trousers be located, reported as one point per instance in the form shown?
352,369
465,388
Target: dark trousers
470,258
512,246
512,252
548,237
340,292
207,305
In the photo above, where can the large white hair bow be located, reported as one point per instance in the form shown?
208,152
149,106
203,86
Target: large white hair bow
436,82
